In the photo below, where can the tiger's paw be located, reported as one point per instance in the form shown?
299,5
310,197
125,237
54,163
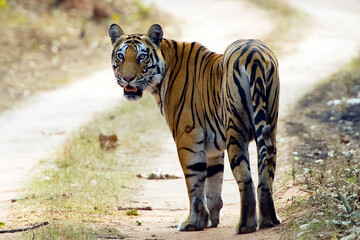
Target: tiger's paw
214,209
184,226
213,222
248,218
268,217
197,220
188,225
268,223
246,228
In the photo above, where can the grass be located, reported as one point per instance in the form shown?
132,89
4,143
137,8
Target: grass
68,231
326,215
80,190
326,163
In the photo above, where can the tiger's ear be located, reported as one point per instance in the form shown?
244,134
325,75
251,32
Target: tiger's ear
115,32
155,34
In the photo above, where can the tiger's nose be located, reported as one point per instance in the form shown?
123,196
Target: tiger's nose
128,78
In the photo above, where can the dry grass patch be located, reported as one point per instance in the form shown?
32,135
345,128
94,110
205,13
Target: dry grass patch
326,159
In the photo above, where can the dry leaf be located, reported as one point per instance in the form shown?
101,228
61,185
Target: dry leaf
108,142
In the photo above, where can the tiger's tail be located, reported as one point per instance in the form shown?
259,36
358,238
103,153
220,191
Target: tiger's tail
247,91
270,150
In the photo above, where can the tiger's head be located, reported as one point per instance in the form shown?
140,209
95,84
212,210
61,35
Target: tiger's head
137,60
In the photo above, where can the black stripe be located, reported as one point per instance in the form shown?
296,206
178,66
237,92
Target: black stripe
175,47
246,48
156,57
200,167
190,175
261,167
212,170
259,116
231,125
271,149
187,149
249,57
271,174
235,141
213,130
181,105
236,161
246,44
199,120
250,181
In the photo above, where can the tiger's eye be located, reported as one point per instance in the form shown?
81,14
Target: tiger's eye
120,56
142,57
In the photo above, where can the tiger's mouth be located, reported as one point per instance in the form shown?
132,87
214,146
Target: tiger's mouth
132,93
131,89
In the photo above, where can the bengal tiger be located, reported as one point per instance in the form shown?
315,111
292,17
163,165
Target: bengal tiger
211,103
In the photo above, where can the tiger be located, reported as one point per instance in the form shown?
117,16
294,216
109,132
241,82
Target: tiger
212,103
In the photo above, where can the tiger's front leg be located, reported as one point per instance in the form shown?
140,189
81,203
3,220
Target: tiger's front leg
194,165
213,186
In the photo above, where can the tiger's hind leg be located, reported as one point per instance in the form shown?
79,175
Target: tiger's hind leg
213,186
266,170
240,166
239,132
265,105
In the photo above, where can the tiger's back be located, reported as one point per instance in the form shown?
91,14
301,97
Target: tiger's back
212,103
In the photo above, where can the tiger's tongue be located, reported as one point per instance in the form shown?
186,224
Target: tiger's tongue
131,89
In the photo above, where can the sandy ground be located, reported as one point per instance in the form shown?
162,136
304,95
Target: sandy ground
332,39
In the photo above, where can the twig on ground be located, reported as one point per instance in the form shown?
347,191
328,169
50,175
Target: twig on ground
24,229
136,208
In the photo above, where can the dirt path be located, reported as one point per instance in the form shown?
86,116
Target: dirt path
331,41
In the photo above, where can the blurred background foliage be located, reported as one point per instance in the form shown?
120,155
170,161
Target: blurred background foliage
45,43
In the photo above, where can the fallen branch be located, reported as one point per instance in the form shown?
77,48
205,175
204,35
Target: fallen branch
136,208
24,229
158,175
109,237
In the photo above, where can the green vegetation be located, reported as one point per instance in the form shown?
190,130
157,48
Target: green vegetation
84,185
132,212
326,165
